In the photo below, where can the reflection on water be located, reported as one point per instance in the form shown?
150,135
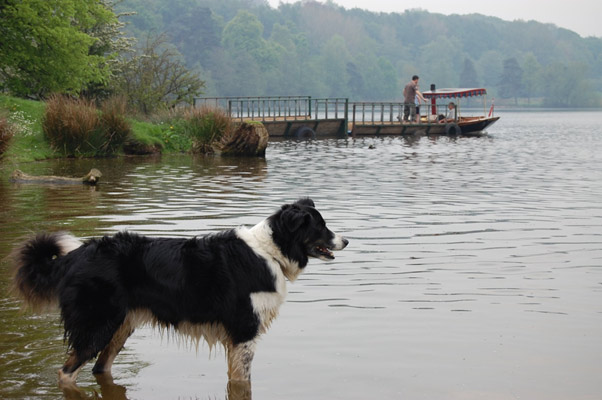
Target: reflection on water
474,269
107,389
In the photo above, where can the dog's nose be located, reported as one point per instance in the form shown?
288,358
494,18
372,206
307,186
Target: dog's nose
345,242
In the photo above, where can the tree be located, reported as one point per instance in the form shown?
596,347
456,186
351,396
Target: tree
47,45
334,59
468,76
249,48
440,64
112,44
489,67
566,86
193,29
356,80
382,81
532,77
511,80
243,33
156,77
287,79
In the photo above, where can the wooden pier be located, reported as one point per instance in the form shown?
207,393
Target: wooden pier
306,117
287,116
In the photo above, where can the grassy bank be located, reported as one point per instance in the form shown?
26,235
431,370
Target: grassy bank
28,142
165,134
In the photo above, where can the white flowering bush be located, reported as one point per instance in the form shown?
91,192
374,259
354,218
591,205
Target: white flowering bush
21,123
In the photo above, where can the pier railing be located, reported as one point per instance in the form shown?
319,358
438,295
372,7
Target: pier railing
278,108
268,108
379,113
330,108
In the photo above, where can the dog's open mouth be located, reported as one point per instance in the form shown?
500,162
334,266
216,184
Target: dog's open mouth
321,252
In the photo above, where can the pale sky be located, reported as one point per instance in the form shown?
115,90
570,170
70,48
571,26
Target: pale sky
581,16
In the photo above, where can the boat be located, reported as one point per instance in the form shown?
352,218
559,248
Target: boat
307,117
385,118
462,124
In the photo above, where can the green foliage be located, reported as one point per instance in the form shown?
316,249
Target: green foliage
440,63
489,68
156,78
243,33
532,77
563,89
46,45
511,80
146,133
205,126
28,143
165,133
175,137
320,49
335,57
246,48
468,76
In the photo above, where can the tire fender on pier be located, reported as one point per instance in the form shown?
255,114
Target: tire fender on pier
304,132
452,129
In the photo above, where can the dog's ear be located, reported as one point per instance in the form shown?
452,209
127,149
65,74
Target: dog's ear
306,201
293,217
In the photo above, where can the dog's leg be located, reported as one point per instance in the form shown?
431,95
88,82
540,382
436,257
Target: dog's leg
239,390
107,355
109,389
240,357
68,374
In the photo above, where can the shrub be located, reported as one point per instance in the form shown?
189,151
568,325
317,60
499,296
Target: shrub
76,127
155,77
114,129
205,126
6,134
68,123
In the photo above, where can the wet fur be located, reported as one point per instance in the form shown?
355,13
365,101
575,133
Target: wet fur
225,288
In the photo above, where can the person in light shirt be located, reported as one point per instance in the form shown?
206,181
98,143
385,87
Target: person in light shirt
450,116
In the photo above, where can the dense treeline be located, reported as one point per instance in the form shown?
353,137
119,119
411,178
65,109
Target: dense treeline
247,48
79,47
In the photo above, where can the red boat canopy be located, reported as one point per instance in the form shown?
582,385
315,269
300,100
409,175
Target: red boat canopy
453,93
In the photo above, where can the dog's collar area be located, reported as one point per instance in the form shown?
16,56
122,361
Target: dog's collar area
262,233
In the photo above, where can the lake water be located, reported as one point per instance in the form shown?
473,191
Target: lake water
474,269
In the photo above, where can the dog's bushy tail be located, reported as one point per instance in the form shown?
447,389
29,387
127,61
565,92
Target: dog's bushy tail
38,267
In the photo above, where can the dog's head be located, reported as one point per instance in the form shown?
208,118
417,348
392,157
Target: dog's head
300,232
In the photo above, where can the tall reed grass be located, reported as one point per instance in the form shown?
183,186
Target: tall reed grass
6,134
205,126
115,129
76,127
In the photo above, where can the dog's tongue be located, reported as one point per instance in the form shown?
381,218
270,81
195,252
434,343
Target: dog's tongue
325,252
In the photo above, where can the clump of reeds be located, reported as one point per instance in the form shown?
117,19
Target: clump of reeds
205,126
76,127
6,134
68,123
114,128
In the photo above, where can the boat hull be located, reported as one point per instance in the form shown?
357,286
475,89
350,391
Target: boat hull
476,124
466,126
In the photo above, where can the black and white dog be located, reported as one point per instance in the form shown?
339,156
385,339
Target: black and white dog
225,287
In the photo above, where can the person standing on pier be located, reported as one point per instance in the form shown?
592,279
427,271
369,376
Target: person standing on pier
417,99
409,94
